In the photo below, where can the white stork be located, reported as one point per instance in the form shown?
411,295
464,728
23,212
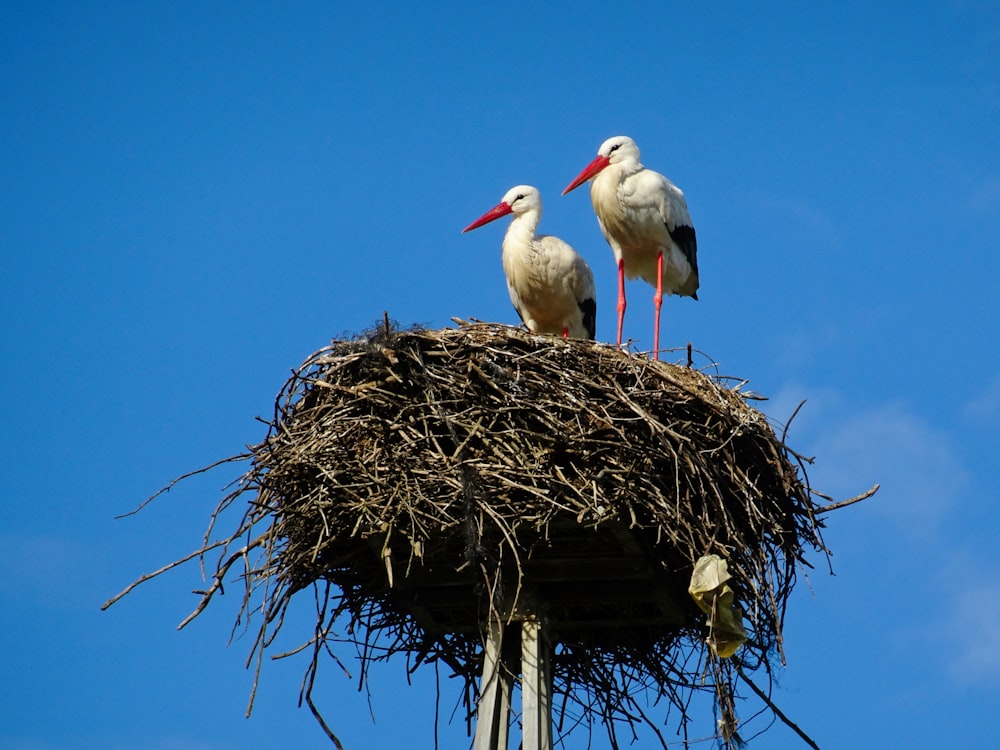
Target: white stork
552,287
645,219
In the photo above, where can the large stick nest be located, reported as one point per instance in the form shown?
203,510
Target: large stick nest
423,481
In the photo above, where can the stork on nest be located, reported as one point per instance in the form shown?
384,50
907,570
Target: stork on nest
432,485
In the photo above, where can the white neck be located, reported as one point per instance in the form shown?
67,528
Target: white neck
522,228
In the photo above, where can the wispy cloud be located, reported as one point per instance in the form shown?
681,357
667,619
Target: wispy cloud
984,406
817,404
923,478
973,634
919,470
967,633
799,348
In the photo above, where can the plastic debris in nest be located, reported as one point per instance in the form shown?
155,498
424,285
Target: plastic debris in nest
711,592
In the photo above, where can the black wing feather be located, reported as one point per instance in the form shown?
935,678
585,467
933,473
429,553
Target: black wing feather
589,309
684,236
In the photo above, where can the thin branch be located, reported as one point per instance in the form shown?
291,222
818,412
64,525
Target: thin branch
149,576
850,501
181,478
788,422
777,711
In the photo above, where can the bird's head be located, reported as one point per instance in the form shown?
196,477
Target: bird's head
523,198
518,200
619,149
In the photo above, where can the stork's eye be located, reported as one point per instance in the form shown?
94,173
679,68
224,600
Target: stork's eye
614,148
520,197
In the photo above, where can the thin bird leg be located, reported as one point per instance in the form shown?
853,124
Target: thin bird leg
565,332
658,303
621,299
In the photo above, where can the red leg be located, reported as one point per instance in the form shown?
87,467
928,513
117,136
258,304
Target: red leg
621,299
658,303
565,332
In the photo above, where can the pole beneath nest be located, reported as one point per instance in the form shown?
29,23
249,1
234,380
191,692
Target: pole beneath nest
496,684
499,669
536,693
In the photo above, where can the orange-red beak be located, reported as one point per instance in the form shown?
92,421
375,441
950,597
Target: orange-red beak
599,163
501,209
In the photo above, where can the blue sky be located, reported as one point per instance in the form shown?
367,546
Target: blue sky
197,197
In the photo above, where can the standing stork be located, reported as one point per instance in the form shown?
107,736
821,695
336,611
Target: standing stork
551,286
645,219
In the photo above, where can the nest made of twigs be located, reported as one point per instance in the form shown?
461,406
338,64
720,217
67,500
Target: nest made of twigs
422,480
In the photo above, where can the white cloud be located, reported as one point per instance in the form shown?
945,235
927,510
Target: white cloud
966,635
957,588
920,473
985,406
973,634
810,418
800,348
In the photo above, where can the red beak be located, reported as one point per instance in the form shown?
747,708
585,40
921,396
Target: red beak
599,163
501,209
